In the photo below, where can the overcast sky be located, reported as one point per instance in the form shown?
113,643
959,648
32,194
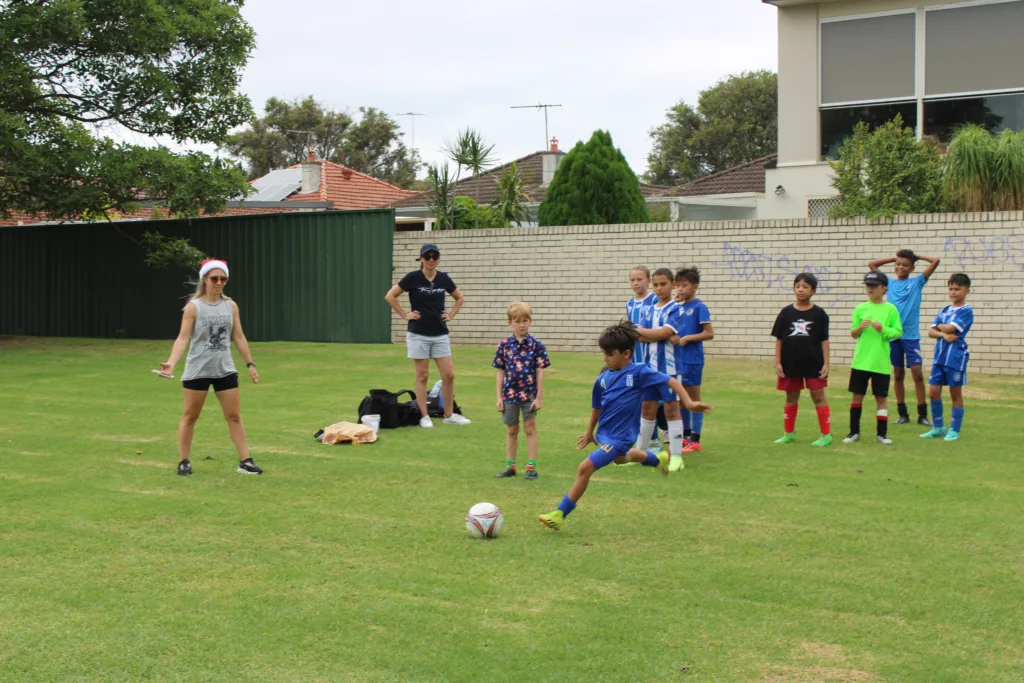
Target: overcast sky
611,65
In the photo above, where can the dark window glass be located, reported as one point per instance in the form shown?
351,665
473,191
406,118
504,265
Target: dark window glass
996,113
838,124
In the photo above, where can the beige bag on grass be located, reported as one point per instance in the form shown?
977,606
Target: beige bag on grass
347,432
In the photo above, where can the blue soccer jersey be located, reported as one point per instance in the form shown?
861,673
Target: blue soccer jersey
692,316
905,295
954,354
660,356
636,313
619,395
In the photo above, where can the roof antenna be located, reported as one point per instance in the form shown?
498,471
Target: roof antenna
545,107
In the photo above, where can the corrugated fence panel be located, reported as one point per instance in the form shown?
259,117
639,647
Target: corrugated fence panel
317,276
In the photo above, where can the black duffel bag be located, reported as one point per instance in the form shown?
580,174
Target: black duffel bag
393,412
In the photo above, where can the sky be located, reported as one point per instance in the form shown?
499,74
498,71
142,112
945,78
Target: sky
611,65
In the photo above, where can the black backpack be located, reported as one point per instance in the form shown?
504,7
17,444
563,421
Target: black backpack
393,413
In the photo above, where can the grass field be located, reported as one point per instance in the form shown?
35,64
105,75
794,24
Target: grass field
758,563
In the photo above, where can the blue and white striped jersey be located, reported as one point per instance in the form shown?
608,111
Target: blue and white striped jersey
661,355
954,354
636,314
693,314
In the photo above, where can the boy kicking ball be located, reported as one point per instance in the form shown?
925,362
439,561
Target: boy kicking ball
617,395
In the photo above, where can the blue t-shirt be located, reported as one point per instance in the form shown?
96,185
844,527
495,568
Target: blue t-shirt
692,315
619,395
905,295
660,356
954,354
636,312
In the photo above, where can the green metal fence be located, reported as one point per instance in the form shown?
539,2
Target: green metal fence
317,276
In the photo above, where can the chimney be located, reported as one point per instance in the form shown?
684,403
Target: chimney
551,160
346,173
310,174
554,144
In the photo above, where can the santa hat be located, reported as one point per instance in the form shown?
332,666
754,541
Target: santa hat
213,264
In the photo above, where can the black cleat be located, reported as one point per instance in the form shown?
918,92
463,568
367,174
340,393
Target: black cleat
247,466
184,468
924,422
902,420
530,475
509,472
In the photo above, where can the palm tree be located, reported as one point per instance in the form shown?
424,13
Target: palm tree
469,151
442,199
511,200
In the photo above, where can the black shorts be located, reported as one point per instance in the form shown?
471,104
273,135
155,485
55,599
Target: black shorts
218,384
859,383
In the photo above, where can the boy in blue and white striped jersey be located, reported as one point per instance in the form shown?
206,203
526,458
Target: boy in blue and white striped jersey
949,366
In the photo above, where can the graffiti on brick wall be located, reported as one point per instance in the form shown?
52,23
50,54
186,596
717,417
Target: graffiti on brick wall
776,272
969,251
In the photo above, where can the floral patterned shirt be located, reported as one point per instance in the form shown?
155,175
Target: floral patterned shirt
520,361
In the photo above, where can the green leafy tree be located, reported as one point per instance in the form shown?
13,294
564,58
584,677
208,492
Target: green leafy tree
886,172
157,69
441,202
470,215
985,172
469,151
735,121
289,130
511,199
594,185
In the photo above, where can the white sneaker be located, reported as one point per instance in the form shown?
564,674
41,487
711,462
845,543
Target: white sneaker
457,419
852,438
426,422
884,440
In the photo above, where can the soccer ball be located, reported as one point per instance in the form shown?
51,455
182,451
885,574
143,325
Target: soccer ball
484,520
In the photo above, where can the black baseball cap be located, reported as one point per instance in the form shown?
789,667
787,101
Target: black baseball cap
427,248
876,277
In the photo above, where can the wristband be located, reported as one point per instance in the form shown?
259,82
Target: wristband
250,364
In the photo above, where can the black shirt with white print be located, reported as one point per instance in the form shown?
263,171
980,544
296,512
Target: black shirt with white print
427,297
802,333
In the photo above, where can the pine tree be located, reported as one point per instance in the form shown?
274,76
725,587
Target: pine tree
594,185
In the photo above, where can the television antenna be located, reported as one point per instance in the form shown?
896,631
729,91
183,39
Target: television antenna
413,115
545,107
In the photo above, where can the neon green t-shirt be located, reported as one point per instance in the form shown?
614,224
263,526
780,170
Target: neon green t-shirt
872,352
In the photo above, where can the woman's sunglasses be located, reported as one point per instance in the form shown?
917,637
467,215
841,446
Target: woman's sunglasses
215,278
431,256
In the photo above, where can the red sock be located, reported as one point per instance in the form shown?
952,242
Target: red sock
789,418
825,419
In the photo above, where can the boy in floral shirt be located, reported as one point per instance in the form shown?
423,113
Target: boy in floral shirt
520,361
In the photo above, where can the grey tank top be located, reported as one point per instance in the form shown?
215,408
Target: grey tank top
209,352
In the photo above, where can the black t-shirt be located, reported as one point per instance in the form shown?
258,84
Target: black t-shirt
802,333
427,297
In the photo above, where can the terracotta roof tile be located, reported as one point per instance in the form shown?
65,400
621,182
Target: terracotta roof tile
350,189
745,178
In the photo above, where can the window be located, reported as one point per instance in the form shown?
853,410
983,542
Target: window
868,59
820,206
997,113
838,124
974,49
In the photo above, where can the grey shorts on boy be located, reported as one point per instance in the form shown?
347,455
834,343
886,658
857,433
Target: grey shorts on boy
510,416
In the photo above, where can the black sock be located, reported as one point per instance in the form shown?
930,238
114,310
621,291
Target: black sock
883,425
695,437
902,409
922,410
855,409
686,434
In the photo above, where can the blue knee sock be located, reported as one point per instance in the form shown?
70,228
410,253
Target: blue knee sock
652,459
958,419
686,421
937,414
697,423
566,506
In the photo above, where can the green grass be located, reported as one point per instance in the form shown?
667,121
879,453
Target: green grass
758,563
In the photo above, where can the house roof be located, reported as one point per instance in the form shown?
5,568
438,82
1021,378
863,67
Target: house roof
349,189
745,178
483,189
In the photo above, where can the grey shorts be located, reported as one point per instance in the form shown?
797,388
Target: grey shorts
510,416
421,347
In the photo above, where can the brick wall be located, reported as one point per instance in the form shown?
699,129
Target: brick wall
576,277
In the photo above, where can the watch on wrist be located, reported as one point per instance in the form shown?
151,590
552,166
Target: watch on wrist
250,364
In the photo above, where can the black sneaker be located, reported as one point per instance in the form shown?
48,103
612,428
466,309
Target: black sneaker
530,475
902,420
184,468
924,422
509,472
247,466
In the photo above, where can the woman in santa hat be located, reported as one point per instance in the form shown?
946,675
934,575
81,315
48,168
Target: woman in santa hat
208,326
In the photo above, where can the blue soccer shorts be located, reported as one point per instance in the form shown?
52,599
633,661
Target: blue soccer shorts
606,454
690,374
946,376
660,393
905,353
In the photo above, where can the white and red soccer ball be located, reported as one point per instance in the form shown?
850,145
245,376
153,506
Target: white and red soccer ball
484,520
